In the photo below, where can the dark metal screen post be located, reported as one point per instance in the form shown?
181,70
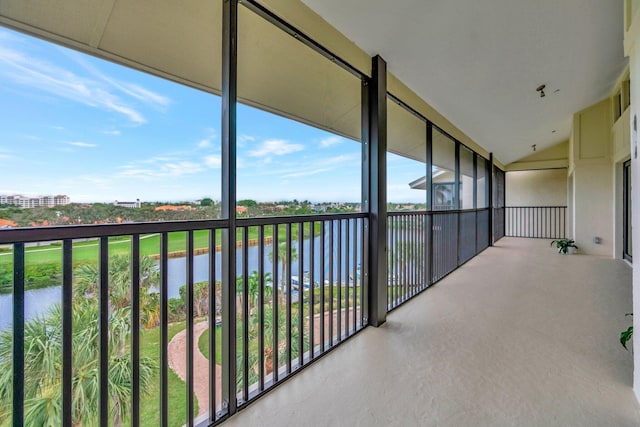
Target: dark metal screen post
18,334
377,177
103,327
491,238
164,329
457,202
229,100
135,329
429,185
67,336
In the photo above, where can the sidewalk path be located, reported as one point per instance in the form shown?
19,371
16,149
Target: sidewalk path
177,351
178,361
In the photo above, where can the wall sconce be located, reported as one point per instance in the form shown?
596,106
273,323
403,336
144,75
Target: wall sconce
541,90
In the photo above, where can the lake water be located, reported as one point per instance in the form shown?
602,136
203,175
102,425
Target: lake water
39,301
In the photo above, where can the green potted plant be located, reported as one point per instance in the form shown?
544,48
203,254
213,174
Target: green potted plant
564,245
625,336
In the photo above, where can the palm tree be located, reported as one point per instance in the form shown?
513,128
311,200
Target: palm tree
254,287
43,338
88,278
43,378
282,257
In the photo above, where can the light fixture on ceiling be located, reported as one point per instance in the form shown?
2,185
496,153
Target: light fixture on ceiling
553,131
541,90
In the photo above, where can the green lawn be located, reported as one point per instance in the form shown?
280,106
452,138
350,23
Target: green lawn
87,251
150,402
203,344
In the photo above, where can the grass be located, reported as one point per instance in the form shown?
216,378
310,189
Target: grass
203,344
87,251
150,402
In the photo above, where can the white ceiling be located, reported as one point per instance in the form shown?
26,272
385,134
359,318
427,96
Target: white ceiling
479,62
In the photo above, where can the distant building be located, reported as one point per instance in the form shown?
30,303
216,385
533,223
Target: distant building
131,205
34,202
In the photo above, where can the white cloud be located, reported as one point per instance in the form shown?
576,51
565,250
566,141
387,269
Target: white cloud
163,170
40,74
134,90
213,161
277,147
157,159
204,143
332,140
31,137
241,140
112,132
5,156
82,144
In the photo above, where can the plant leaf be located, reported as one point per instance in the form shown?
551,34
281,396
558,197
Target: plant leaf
625,336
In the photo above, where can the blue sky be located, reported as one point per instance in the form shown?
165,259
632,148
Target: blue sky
96,131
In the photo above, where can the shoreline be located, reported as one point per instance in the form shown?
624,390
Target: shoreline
200,251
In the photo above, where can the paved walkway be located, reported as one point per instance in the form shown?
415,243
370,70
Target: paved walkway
178,363
177,351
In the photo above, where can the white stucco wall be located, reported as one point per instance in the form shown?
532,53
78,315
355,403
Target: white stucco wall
537,188
632,42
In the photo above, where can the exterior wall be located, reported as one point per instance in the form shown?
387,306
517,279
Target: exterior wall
593,180
621,152
634,64
593,209
632,44
537,188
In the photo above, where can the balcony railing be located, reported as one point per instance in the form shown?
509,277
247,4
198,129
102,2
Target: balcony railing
542,222
140,299
423,247
173,327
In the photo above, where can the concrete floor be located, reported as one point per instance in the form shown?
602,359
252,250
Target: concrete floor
519,336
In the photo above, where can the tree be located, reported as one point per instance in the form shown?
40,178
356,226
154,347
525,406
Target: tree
43,379
88,279
254,287
282,257
200,297
43,337
206,202
248,203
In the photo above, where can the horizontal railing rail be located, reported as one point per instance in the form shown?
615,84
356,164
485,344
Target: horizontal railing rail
88,231
541,222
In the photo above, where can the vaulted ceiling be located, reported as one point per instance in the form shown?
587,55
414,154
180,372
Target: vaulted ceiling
479,62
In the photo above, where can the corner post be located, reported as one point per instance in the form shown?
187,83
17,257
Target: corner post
491,172
377,182
229,100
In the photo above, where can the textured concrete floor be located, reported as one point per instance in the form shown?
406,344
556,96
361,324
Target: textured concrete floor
519,336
